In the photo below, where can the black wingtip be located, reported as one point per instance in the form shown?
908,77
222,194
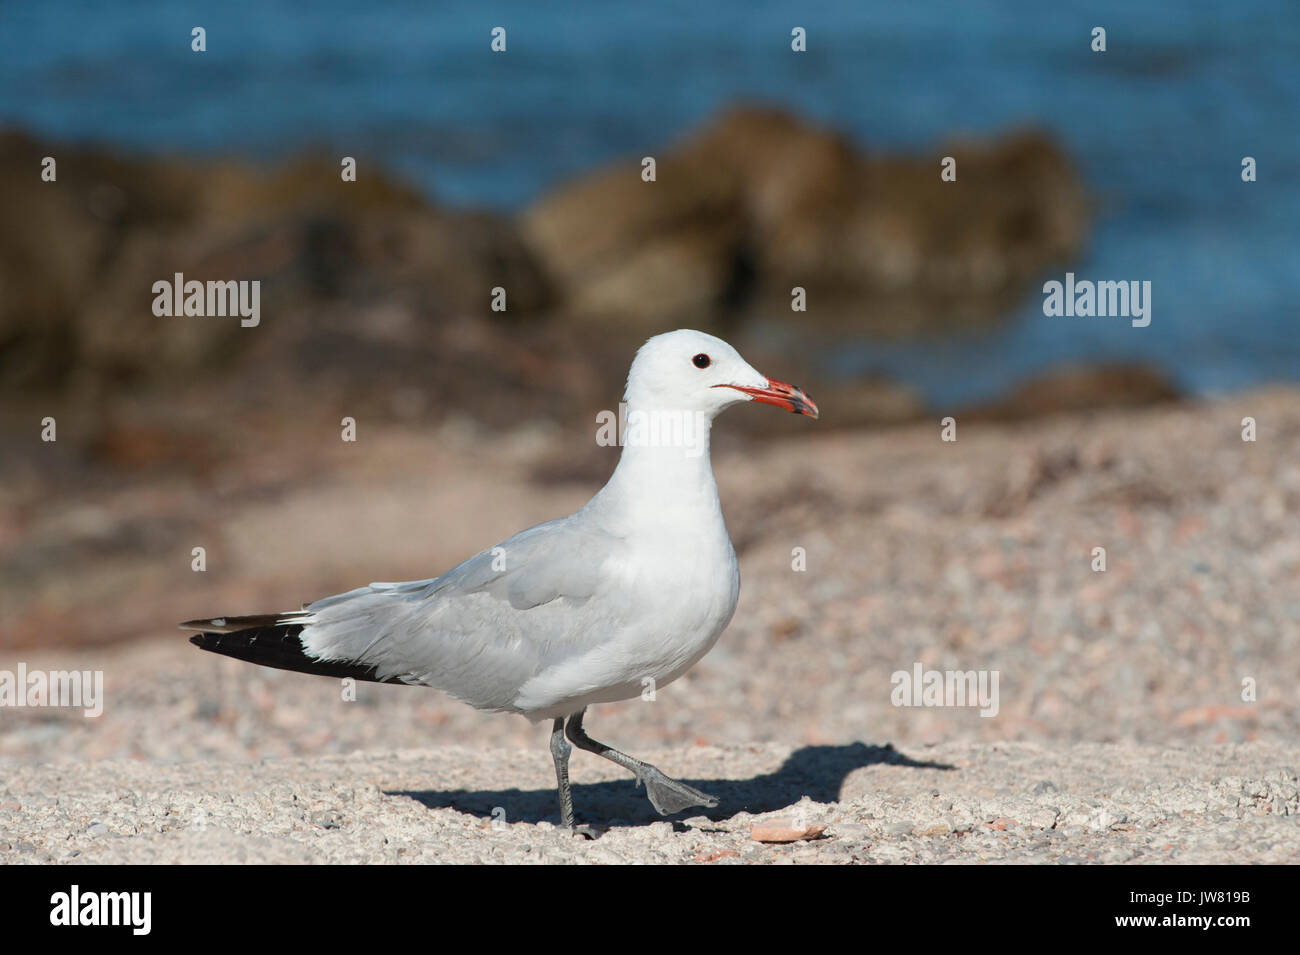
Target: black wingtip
281,647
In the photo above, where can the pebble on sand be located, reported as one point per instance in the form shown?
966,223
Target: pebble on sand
783,830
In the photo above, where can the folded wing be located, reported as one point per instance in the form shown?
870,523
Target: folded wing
483,629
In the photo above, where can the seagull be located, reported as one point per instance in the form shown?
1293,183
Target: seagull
626,593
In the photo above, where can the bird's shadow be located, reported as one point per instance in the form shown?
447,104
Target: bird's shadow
817,772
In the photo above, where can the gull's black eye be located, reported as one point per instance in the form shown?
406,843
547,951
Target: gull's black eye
701,360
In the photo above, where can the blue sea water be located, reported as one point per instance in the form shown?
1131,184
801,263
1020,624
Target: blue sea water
1158,124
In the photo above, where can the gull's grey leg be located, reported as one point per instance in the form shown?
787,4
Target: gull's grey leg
560,750
666,794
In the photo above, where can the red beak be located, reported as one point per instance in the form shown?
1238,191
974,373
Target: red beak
780,394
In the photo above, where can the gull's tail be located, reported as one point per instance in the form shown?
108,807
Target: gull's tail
272,640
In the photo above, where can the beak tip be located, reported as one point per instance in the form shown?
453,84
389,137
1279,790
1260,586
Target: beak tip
788,397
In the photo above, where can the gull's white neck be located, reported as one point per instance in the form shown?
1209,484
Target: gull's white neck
665,477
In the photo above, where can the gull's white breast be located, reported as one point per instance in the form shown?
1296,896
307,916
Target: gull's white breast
671,595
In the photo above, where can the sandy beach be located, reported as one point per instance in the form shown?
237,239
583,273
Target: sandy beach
1123,692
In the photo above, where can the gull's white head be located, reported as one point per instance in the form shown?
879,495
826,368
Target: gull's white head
690,371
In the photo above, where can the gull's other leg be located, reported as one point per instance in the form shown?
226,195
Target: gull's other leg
560,750
666,794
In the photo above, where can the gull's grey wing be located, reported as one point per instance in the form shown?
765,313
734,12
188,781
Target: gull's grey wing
487,626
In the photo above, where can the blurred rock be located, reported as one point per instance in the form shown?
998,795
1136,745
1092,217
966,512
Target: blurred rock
76,278
1080,388
376,301
759,201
